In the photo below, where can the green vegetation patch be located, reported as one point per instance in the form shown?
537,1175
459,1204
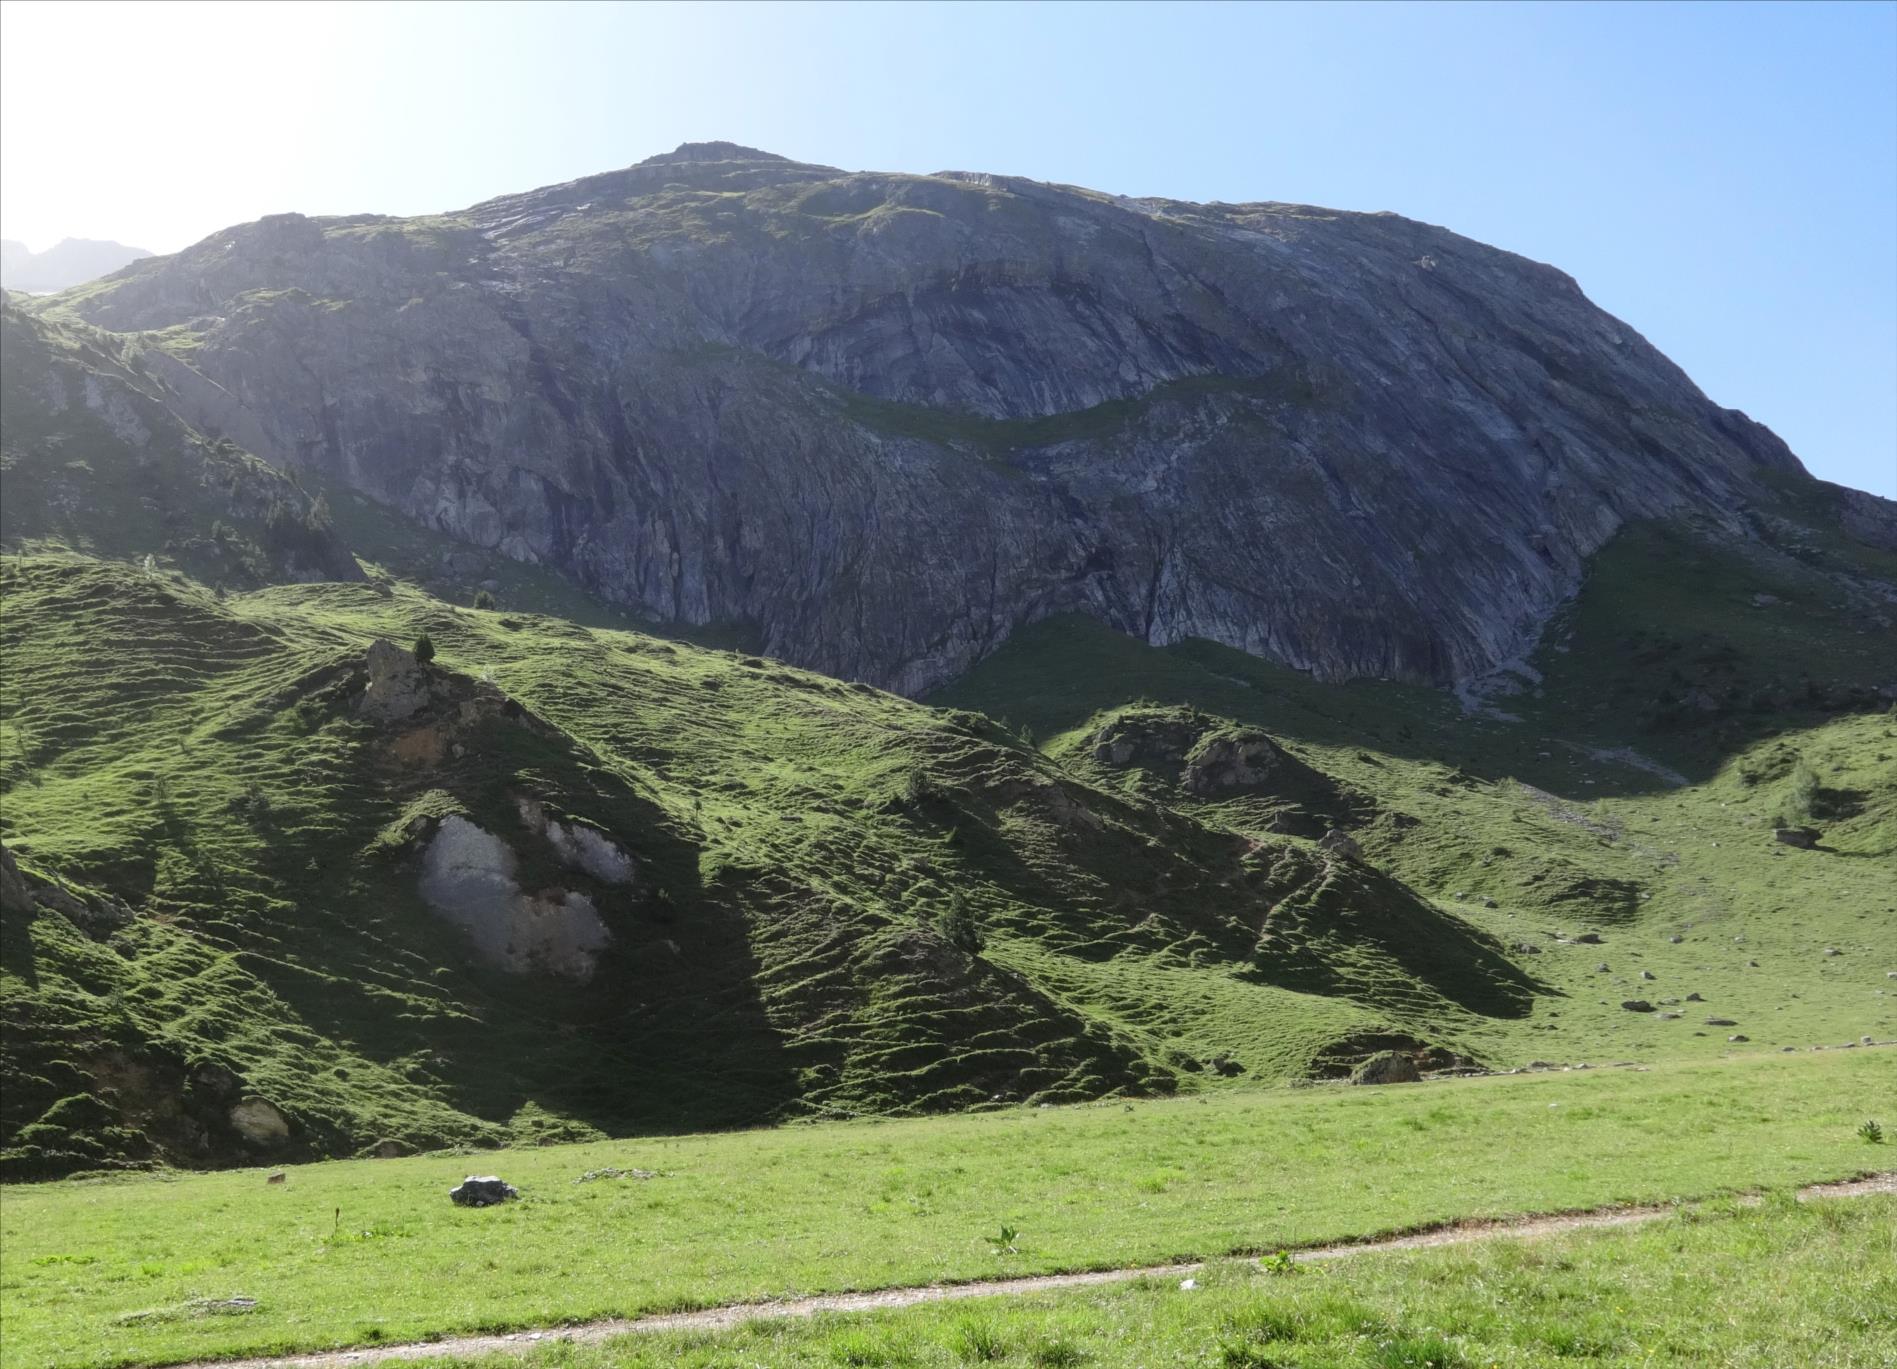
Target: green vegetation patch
355,1252
1749,1287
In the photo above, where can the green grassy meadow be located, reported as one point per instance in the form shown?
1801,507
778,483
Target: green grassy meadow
1717,1284
116,1271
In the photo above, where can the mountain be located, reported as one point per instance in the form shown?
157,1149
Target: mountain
886,420
351,807
69,262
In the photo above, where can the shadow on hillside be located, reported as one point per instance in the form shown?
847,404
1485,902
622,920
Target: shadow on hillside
1363,934
1053,676
669,1034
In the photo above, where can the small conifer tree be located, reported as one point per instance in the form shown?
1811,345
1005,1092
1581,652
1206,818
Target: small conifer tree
424,649
959,927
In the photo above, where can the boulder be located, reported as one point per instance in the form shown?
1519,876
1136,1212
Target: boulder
483,1190
1804,838
1386,1067
1720,1022
1227,765
1341,844
259,1123
1588,939
398,685
1637,1005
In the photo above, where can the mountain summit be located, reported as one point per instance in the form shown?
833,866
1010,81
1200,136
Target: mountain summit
886,420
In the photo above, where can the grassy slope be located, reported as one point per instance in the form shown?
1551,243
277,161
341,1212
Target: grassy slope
800,837
1551,803
198,757
1749,1288
103,1272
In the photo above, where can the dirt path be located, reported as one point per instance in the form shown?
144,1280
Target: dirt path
720,1318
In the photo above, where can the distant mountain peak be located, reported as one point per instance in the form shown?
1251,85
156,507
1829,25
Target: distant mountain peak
712,152
69,262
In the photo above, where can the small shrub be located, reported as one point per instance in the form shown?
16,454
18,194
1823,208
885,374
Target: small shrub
1801,793
424,649
484,600
959,926
1871,1132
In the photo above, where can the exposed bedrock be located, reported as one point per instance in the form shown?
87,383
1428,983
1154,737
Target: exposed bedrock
887,419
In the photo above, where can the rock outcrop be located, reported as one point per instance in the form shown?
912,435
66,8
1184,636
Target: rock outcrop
398,685
95,452
888,419
470,877
1386,1067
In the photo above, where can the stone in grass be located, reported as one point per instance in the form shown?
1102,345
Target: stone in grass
1646,974
1386,1067
1637,1005
482,1191
1833,950
1804,838
1588,939
1341,844
1738,1036
1720,1022
1694,998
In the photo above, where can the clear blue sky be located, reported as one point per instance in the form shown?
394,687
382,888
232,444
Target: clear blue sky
1723,177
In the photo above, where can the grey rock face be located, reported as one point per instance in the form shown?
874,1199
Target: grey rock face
398,686
259,1122
888,419
469,879
1225,765
87,425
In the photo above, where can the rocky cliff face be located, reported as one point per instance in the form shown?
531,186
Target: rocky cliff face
93,454
888,419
